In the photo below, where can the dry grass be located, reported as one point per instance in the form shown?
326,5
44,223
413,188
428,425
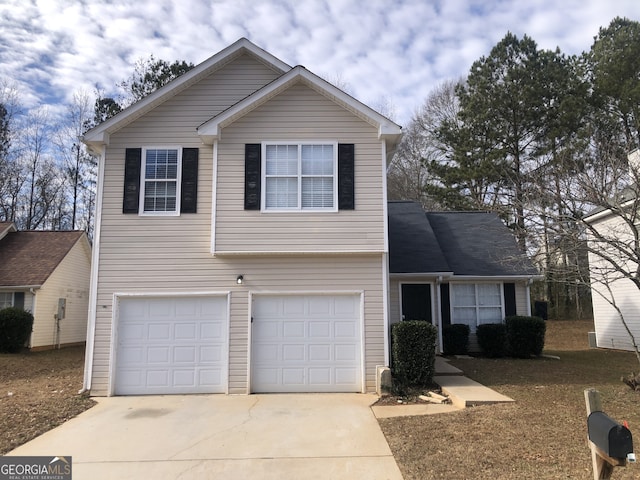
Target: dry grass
39,391
542,435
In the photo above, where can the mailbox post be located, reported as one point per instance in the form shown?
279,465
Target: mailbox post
611,443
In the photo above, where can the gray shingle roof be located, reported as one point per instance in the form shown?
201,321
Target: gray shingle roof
465,243
413,247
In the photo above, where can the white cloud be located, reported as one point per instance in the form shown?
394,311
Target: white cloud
399,50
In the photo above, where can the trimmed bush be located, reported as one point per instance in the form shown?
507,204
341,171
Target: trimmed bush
455,339
413,353
525,336
492,338
15,328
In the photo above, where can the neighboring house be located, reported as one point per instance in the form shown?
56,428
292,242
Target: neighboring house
47,273
608,286
241,235
455,267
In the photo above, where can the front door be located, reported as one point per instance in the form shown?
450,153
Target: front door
416,301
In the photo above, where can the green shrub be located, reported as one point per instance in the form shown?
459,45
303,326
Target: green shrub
15,328
492,338
413,353
525,335
455,339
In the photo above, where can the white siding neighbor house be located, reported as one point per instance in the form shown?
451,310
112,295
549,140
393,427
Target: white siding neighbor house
613,290
241,235
47,273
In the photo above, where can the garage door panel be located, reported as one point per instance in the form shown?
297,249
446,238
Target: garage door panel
320,376
345,330
299,342
171,345
210,354
319,353
319,329
293,376
159,331
346,376
293,353
292,329
157,355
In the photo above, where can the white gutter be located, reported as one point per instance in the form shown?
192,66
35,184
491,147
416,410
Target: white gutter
20,287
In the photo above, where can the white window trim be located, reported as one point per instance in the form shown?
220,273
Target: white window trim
13,299
477,306
299,209
143,183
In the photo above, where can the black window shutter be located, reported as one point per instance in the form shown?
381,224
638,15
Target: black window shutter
509,299
189,185
346,176
252,175
132,165
18,300
445,304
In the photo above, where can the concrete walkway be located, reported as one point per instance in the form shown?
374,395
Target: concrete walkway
462,391
301,436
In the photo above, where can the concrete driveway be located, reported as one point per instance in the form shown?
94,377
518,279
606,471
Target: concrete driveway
301,436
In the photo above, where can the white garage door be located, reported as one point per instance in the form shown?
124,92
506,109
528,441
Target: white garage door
171,345
308,343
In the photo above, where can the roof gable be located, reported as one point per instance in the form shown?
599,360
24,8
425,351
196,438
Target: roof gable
27,259
387,130
99,136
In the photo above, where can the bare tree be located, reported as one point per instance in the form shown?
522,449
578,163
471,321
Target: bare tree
410,171
600,214
78,165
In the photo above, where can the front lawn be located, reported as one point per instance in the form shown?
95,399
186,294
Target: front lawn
542,435
39,391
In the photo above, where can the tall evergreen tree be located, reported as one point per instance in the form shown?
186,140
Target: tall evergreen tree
615,69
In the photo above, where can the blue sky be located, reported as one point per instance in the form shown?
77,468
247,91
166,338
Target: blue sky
393,51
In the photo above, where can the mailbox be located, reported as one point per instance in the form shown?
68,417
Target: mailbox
609,436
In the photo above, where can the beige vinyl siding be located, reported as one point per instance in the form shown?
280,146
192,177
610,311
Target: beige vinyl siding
287,274
70,280
166,255
300,114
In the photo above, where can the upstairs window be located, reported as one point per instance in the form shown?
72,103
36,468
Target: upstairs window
160,181
300,176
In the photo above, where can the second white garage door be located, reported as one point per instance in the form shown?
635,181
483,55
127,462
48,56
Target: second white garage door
171,345
306,343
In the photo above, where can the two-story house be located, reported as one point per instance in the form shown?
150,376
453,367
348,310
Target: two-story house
241,235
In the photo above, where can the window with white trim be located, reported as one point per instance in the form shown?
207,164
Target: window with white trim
6,300
476,304
299,176
161,169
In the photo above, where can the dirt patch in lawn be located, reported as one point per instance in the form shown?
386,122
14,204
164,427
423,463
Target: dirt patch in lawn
39,391
542,435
